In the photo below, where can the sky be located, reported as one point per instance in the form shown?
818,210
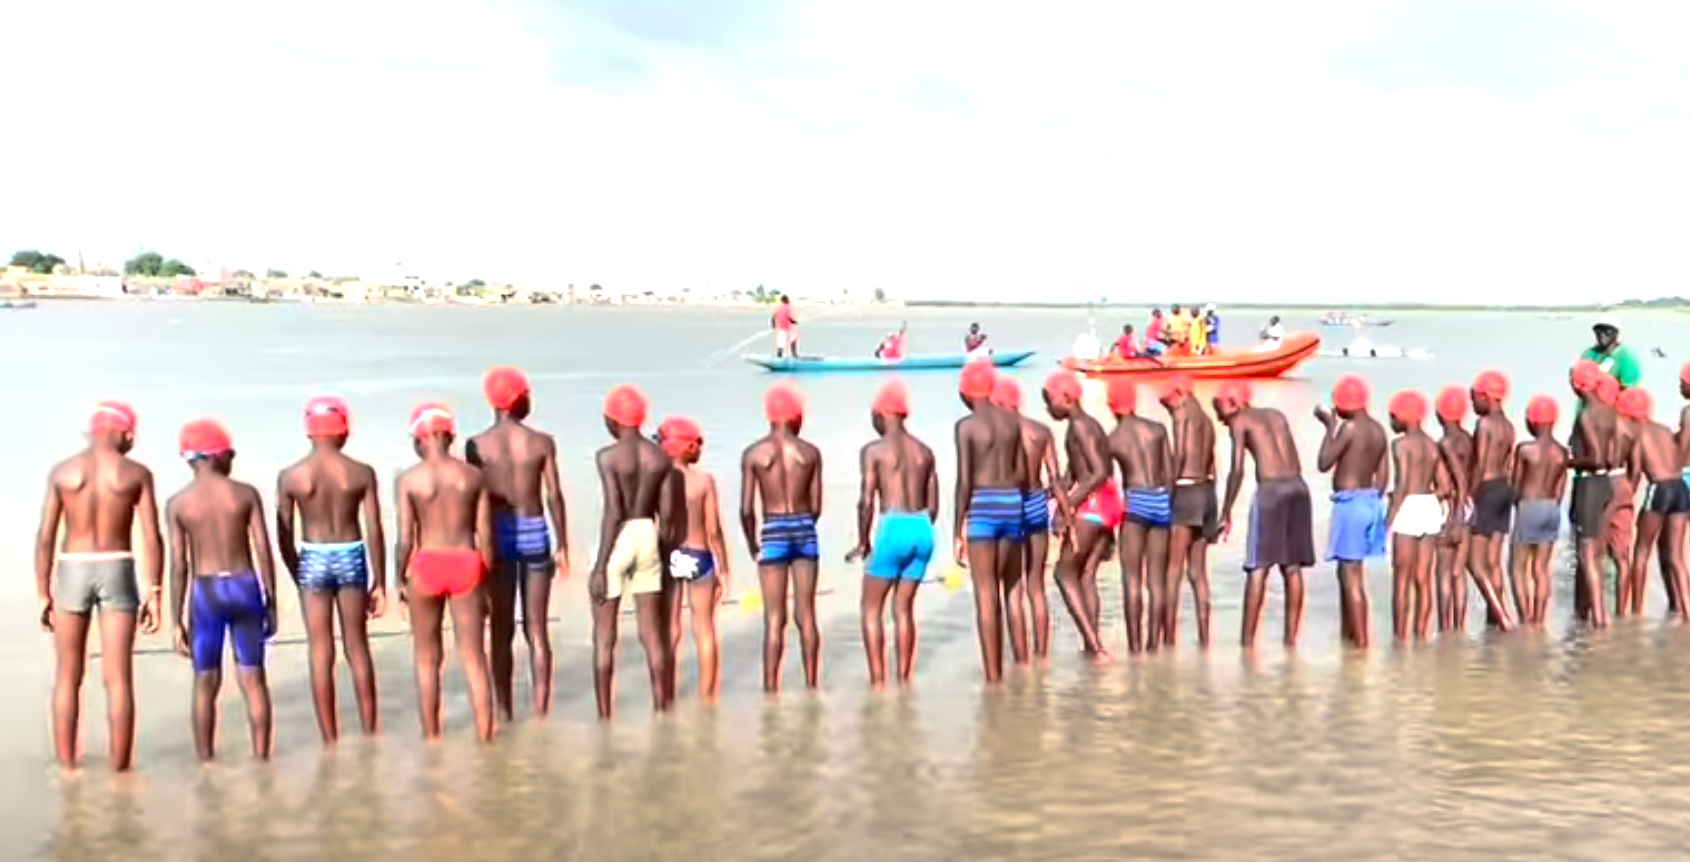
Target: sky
1304,151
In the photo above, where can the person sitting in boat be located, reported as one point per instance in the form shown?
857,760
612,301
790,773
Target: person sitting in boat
891,348
1272,335
1126,347
1154,333
975,342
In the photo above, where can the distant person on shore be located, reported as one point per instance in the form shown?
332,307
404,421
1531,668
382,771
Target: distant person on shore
445,551
1195,509
218,538
785,327
1281,515
1139,448
1611,357
1355,451
1272,335
1455,459
898,481
332,504
1416,517
629,562
96,495
1155,333
698,559
891,348
1490,479
519,466
1666,503
988,506
1540,481
784,471
974,343
1039,495
1091,494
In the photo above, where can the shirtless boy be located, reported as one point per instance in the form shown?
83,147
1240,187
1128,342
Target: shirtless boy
217,535
1619,530
1354,452
784,471
1666,503
991,471
324,495
443,554
1139,447
1281,516
1416,517
1195,508
1540,479
97,495
898,479
1455,457
698,556
1039,495
637,514
519,466
1493,494
1095,501
1595,458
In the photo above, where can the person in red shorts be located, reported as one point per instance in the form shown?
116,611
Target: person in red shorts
445,551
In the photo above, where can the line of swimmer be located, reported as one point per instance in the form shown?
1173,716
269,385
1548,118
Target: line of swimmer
475,534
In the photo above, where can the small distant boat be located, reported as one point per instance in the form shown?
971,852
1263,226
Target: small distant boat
928,362
1344,318
16,304
1381,351
1276,362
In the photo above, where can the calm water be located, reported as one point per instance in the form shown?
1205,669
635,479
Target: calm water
1544,745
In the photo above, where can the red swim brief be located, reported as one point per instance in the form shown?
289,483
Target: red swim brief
1104,506
446,571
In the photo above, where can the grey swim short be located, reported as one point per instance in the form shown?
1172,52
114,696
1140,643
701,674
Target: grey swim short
103,581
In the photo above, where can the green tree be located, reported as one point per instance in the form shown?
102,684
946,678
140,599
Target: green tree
36,262
151,264
275,273
314,274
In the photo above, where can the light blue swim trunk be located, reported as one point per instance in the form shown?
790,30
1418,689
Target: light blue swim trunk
902,547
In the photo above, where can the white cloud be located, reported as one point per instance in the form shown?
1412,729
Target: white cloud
1157,150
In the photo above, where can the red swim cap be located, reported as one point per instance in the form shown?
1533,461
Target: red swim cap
1634,403
977,379
1491,384
1542,410
1585,376
783,404
1236,391
112,416
1452,404
1174,387
203,438
1063,384
431,419
327,416
1350,393
504,387
893,399
625,405
677,433
1006,393
1123,395
1409,406
1607,390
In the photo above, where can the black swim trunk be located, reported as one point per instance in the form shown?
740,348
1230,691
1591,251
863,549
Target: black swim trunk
1493,508
1194,505
1671,497
1589,507
1281,526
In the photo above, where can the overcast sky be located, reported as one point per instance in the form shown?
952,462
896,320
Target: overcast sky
1445,150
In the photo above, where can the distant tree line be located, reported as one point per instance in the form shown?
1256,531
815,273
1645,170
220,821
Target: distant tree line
151,264
40,263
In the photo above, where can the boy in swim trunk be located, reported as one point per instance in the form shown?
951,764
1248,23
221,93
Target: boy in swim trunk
1595,458
1455,459
1416,517
218,537
1355,451
1539,480
1493,495
327,491
1038,498
698,561
1139,448
1666,504
785,472
898,480
988,507
444,552
1095,500
97,496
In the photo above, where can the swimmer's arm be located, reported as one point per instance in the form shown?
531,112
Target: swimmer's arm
713,525
52,511
152,543
1167,455
1481,447
964,480
1517,476
287,510
375,535
264,556
612,517
1333,446
1053,469
1633,459
932,490
748,500
1397,492
1457,474
1586,444
551,483
1235,472
816,485
1561,457
867,490
407,538
1682,438
1091,474
178,564
484,528
672,521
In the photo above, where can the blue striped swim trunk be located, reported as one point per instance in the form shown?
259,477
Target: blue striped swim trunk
330,566
521,538
994,515
1150,507
788,537
1035,512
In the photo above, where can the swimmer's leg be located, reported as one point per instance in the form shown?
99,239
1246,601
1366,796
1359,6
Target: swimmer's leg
605,617
536,630
1294,597
1102,548
70,639
673,590
501,627
704,597
117,670
318,607
1179,562
1482,554
804,577
652,612
1589,591
468,618
1133,589
1402,579
1156,577
1421,592
206,686
1038,600
428,655
903,617
1631,583
1255,595
354,605
1672,560
1069,566
1523,585
1352,582
1197,570
774,582
247,637
985,571
872,608
1010,554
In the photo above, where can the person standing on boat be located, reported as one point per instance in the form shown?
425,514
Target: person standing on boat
1155,333
1272,335
1197,333
786,329
1211,326
1613,358
975,342
891,348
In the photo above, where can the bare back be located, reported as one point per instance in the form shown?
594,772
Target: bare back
1357,451
98,493
698,495
215,520
901,470
1455,455
1593,443
1264,434
1038,446
513,459
633,471
990,448
784,470
1140,448
1417,467
330,491
1540,470
443,498
1655,452
1493,449
1193,442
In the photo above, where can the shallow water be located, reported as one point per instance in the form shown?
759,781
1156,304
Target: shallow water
1543,745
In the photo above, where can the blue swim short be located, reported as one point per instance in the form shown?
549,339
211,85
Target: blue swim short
691,564
1150,507
232,607
331,566
786,538
1035,512
903,545
1358,526
994,515
521,538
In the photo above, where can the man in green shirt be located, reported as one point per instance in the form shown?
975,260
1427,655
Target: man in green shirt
1614,358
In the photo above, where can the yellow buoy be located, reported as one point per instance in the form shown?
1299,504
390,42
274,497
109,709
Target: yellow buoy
751,602
954,579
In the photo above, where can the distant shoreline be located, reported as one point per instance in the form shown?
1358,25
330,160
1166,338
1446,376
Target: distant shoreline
1629,305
